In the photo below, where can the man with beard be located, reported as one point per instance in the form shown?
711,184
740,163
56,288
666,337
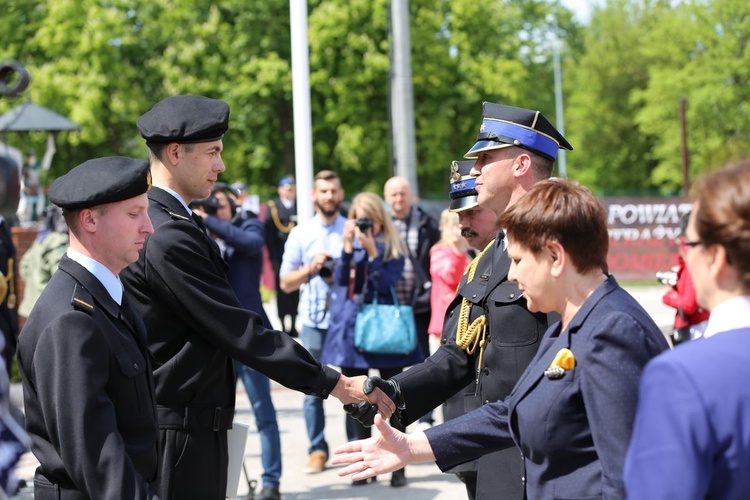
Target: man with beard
309,254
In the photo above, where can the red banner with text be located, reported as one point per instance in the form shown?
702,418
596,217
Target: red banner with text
641,235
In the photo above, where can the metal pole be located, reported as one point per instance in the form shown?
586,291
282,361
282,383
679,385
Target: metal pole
402,99
562,169
685,154
303,157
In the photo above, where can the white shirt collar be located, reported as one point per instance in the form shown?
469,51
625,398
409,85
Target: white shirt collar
732,314
286,203
174,193
110,281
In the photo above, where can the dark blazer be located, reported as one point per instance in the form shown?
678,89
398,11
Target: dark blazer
276,236
244,240
573,431
8,307
196,326
429,234
88,391
513,338
195,322
691,432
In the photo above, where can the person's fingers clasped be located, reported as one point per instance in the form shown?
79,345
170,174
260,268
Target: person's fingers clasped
383,393
363,412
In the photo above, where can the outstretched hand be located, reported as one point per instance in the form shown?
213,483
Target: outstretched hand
386,452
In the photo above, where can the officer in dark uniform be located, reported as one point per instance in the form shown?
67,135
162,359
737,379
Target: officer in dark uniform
280,218
489,335
195,323
8,309
10,187
87,381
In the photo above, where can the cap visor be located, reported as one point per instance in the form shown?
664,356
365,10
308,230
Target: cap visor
463,203
480,146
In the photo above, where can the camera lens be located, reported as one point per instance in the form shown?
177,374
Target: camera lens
327,270
363,223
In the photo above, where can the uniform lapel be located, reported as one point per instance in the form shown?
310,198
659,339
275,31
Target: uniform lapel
551,345
104,300
93,285
175,209
548,348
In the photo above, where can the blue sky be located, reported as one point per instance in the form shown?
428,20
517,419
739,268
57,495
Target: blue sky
582,8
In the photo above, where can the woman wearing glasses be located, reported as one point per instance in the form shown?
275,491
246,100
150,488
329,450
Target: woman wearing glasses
690,319
692,433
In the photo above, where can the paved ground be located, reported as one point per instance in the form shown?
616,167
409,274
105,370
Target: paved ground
425,481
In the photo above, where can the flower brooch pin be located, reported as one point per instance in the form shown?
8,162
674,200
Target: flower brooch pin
564,360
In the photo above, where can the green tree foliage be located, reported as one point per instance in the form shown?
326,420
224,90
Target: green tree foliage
102,63
706,61
611,153
640,59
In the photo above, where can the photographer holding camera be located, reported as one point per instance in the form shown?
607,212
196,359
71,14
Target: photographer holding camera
371,264
309,254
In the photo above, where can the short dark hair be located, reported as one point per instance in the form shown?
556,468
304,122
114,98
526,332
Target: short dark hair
722,216
559,210
326,175
71,218
156,150
541,164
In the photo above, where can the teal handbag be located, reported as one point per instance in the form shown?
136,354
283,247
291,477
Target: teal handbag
385,328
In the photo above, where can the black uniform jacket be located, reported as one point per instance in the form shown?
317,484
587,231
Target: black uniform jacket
276,237
196,325
513,335
88,391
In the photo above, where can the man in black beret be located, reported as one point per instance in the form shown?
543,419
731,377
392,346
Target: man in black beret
195,323
88,386
489,336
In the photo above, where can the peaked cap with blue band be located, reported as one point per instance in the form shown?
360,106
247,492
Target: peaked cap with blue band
101,181
463,192
505,126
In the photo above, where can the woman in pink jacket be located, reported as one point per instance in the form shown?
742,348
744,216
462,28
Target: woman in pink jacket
448,260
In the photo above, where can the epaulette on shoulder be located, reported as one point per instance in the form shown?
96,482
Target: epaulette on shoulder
175,215
82,299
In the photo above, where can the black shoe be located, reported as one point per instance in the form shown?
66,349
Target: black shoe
398,478
268,494
362,482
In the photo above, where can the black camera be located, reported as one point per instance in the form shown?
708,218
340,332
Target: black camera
363,223
209,205
327,270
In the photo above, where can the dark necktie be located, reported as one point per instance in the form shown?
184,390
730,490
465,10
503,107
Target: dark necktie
128,315
499,248
199,220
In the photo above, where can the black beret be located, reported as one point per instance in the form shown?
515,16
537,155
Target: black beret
185,119
100,181
504,126
463,192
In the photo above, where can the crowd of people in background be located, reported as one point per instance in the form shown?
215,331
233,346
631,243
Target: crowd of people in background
553,381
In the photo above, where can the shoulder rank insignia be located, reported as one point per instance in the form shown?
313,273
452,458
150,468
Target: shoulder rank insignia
175,215
82,299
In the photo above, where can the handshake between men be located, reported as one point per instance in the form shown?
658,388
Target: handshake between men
385,394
